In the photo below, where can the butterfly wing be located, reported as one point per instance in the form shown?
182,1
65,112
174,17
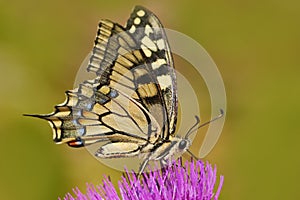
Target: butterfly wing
97,113
147,30
119,63
138,61
132,101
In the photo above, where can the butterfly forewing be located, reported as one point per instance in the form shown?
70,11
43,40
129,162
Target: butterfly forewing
147,30
120,62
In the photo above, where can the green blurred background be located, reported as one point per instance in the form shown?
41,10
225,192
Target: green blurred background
254,43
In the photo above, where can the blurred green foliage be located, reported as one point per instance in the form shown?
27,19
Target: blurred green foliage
254,43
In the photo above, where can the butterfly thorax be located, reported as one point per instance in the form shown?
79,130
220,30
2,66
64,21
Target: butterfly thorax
166,149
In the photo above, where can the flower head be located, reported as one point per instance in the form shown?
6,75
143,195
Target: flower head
191,180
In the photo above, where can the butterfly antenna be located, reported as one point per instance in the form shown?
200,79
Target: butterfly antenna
191,129
194,128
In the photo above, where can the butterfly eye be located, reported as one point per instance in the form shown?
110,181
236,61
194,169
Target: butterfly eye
182,144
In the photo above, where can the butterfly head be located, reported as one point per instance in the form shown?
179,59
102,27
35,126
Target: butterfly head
183,144
177,147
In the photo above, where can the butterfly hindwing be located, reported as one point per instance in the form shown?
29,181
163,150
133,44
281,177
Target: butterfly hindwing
96,113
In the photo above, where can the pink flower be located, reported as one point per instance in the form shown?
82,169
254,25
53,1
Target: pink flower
193,180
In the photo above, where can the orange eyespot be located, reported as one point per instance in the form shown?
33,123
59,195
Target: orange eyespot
76,143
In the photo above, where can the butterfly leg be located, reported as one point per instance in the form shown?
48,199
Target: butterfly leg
163,162
192,155
143,166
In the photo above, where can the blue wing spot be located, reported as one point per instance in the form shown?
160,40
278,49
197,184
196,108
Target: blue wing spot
113,93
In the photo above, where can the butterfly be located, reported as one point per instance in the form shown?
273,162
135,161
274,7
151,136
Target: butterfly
132,104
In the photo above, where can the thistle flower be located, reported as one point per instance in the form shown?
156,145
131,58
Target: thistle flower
191,180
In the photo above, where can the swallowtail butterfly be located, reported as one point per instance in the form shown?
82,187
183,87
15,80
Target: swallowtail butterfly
130,108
